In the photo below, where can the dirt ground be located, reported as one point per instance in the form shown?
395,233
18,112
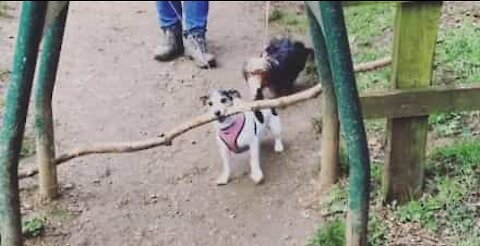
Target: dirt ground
110,89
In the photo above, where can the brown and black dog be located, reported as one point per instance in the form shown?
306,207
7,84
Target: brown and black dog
274,73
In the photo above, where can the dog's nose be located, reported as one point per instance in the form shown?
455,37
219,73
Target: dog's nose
217,113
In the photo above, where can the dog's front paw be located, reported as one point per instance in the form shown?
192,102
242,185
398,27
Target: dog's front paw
223,180
278,146
257,177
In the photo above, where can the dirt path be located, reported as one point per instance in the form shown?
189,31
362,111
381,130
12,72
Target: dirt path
110,89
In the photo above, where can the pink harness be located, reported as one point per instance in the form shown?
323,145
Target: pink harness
229,135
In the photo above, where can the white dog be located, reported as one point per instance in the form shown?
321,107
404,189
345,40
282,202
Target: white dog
241,132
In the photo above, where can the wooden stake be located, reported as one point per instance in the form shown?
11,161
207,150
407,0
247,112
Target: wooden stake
416,28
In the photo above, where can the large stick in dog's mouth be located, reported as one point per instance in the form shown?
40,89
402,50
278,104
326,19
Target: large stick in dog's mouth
166,138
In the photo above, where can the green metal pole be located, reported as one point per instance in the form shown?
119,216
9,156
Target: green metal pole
18,95
336,38
52,45
329,171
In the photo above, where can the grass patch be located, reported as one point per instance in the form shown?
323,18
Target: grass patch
453,178
447,209
378,231
376,173
369,30
333,234
468,241
457,60
460,161
34,227
370,33
450,124
338,199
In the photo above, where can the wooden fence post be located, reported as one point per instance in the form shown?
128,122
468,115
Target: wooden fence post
45,140
329,170
416,27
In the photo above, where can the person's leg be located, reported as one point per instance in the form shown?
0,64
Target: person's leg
196,14
170,20
167,15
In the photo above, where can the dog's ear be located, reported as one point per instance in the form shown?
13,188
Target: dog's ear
234,93
204,99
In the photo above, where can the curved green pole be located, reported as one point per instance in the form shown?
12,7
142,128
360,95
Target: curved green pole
18,95
334,30
52,45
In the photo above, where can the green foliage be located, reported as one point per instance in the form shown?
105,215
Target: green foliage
462,158
378,231
34,227
457,60
453,174
449,124
377,173
332,234
370,33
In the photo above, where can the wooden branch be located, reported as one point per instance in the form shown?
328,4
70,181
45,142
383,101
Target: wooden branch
373,65
167,137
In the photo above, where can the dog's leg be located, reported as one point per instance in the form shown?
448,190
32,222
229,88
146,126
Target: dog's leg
224,152
277,130
255,169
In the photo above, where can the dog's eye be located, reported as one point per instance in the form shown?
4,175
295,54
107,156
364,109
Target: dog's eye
210,104
223,100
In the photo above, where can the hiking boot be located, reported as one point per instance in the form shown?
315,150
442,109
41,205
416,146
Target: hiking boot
196,49
171,44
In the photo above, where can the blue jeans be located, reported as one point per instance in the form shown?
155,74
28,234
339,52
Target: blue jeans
196,13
